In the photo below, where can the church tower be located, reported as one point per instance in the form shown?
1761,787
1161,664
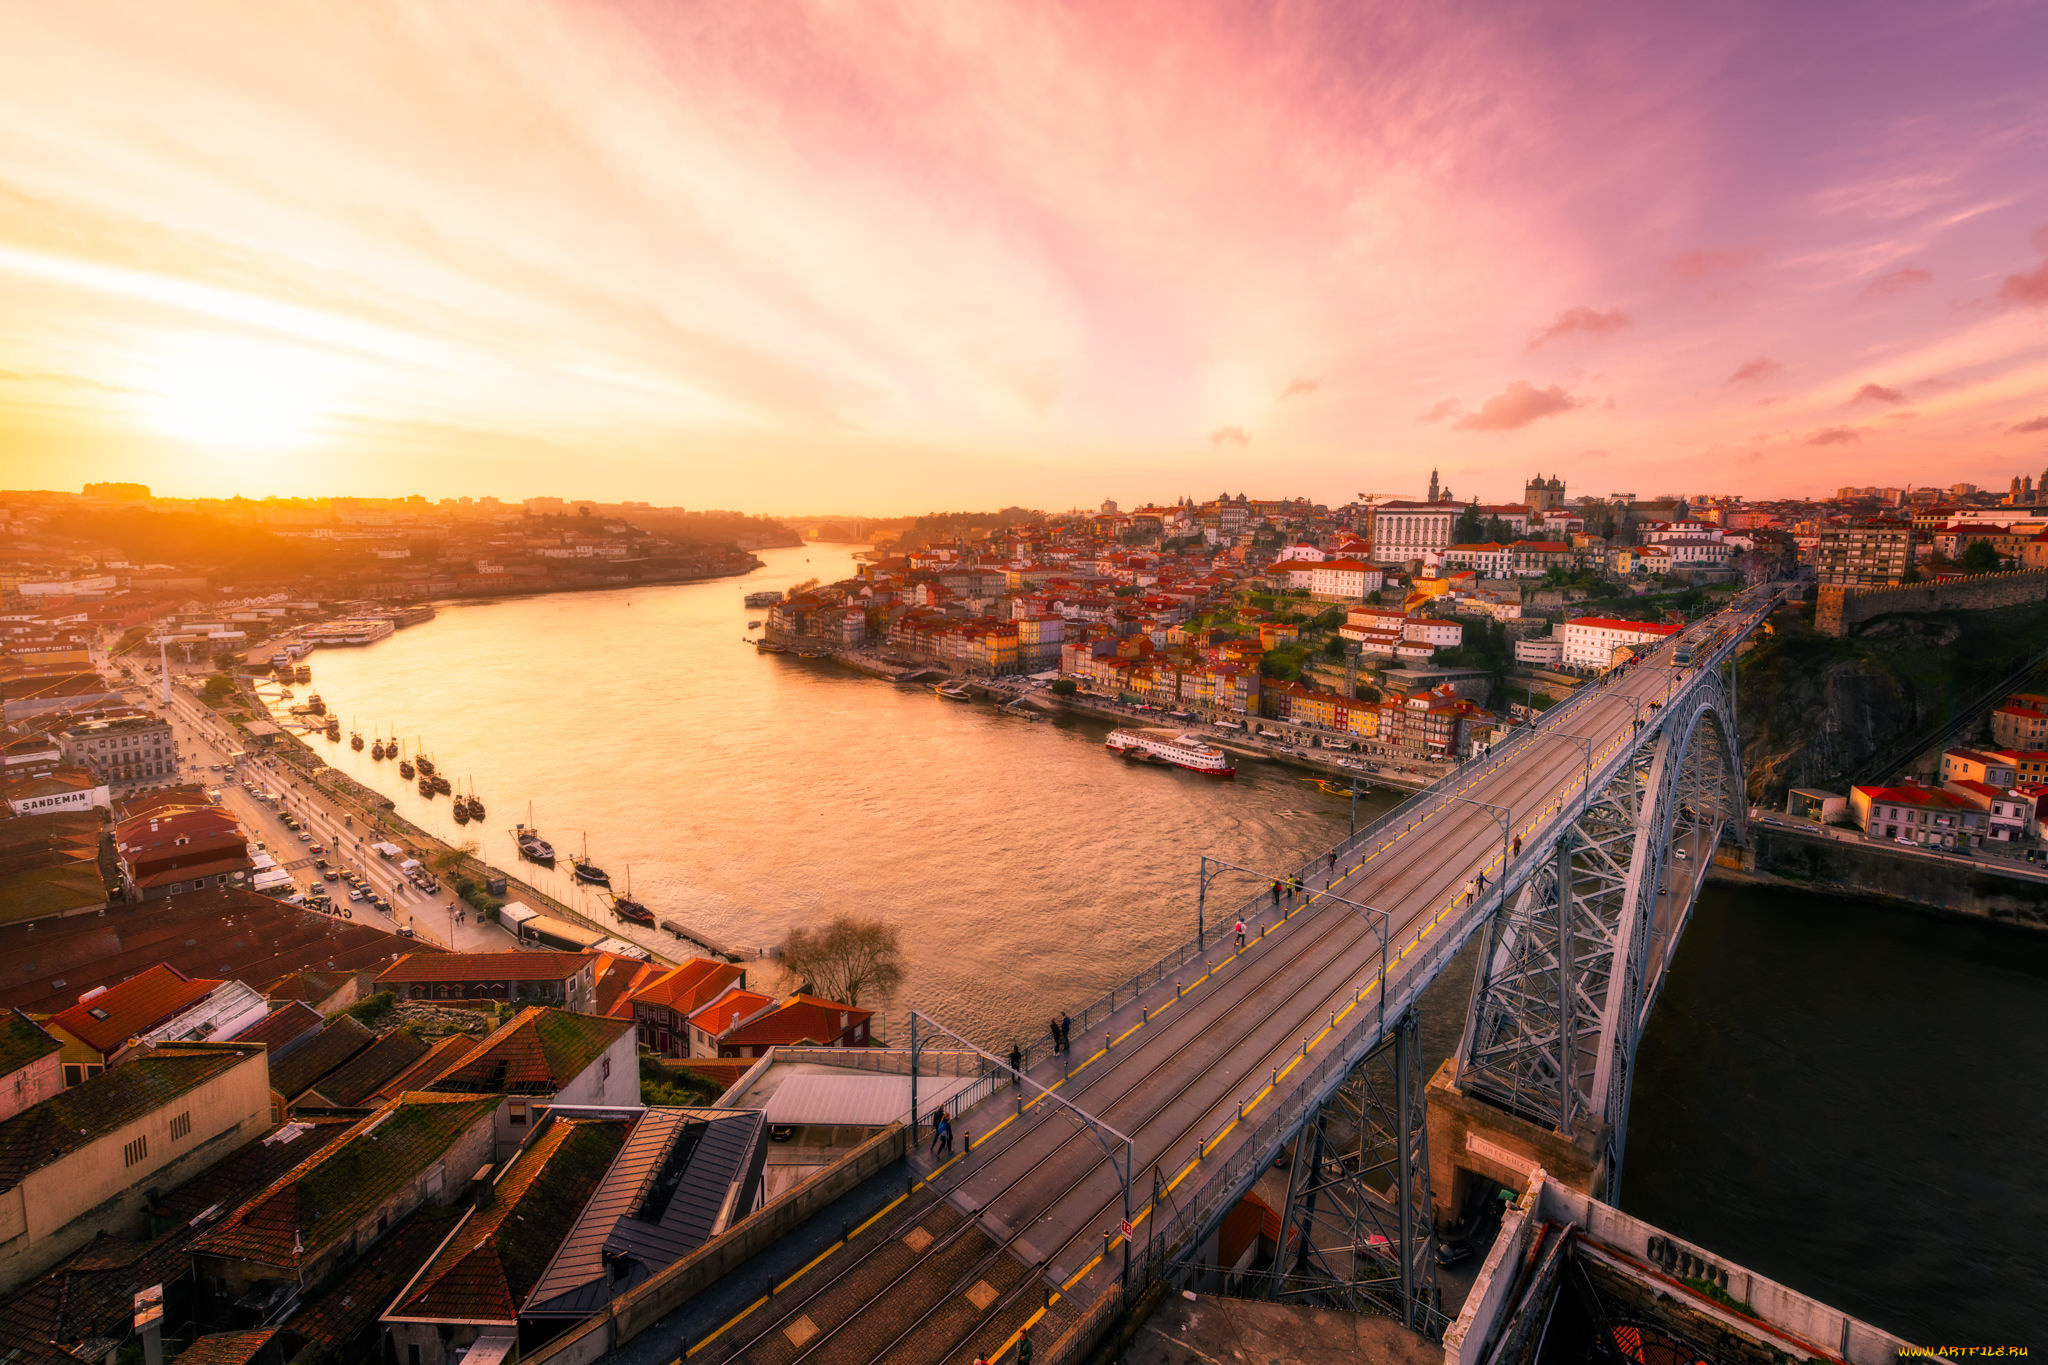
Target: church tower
1432,485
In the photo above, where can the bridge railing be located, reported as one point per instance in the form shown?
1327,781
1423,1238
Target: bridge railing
1429,801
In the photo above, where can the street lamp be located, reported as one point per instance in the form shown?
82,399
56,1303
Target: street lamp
1501,813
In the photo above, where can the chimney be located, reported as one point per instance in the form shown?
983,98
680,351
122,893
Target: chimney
482,1187
149,1324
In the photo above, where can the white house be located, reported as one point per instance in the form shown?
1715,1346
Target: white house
1593,641
1343,580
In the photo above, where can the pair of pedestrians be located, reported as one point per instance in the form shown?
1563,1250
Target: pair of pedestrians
942,1134
1062,1030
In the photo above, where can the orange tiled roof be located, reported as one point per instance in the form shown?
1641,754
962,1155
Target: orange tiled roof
690,986
120,1012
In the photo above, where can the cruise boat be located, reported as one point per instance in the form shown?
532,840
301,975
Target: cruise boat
954,691
762,599
1164,746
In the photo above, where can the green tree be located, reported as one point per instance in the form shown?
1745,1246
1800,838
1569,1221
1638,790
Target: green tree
1471,526
1065,687
218,689
1981,557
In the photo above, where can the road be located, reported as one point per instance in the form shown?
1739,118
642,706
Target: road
203,740
1026,1224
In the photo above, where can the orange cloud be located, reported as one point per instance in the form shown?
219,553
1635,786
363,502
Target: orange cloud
1519,404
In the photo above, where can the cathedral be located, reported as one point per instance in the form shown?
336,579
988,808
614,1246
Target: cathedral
1543,494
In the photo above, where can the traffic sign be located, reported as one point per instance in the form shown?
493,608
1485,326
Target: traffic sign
1127,1229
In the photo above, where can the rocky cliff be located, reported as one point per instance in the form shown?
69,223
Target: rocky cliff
1822,712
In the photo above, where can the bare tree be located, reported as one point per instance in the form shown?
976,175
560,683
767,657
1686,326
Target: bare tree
448,860
845,958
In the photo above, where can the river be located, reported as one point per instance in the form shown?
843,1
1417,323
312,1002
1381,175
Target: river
1842,1096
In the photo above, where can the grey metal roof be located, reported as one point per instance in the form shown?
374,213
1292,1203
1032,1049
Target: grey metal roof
683,1176
871,1098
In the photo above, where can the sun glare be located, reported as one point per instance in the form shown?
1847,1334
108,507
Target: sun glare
222,392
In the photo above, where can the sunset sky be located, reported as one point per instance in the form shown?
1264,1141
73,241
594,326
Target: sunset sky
876,258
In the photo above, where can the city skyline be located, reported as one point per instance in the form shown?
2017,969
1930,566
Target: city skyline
916,258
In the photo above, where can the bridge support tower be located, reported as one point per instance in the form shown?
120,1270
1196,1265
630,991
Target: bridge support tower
1586,921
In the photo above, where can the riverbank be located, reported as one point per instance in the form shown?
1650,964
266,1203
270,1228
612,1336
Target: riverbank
1010,692
380,819
1247,745
1967,887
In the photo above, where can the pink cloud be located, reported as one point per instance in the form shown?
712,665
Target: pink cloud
1590,321
1519,404
2032,424
2026,290
1834,436
1896,283
1230,435
1300,388
1876,393
1700,263
1449,407
1749,371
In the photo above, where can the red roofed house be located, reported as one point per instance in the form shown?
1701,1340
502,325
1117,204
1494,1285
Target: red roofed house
1593,641
661,1009
566,980
2021,722
2006,812
1913,814
800,1021
104,1020
189,851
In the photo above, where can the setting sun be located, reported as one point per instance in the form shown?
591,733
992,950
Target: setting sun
224,392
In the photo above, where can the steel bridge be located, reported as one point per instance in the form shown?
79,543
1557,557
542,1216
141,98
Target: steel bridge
1573,849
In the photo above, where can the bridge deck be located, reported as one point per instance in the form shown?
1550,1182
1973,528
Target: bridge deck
1032,1211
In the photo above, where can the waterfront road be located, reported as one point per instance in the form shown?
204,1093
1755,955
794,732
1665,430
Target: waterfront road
204,740
1022,1232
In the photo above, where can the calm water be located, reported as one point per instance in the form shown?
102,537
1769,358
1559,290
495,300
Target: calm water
748,793
1845,1097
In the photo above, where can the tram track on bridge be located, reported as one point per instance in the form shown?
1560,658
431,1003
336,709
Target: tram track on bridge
1433,886
1275,955
1255,989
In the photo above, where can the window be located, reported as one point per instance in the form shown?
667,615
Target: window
74,1074
518,1114
181,1126
604,1072
136,1151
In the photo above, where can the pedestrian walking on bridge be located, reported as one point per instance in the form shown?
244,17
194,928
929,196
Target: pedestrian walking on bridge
1016,1063
1066,1034
1054,1027
1240,933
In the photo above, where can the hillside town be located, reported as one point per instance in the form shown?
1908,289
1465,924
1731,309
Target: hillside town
234,1118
